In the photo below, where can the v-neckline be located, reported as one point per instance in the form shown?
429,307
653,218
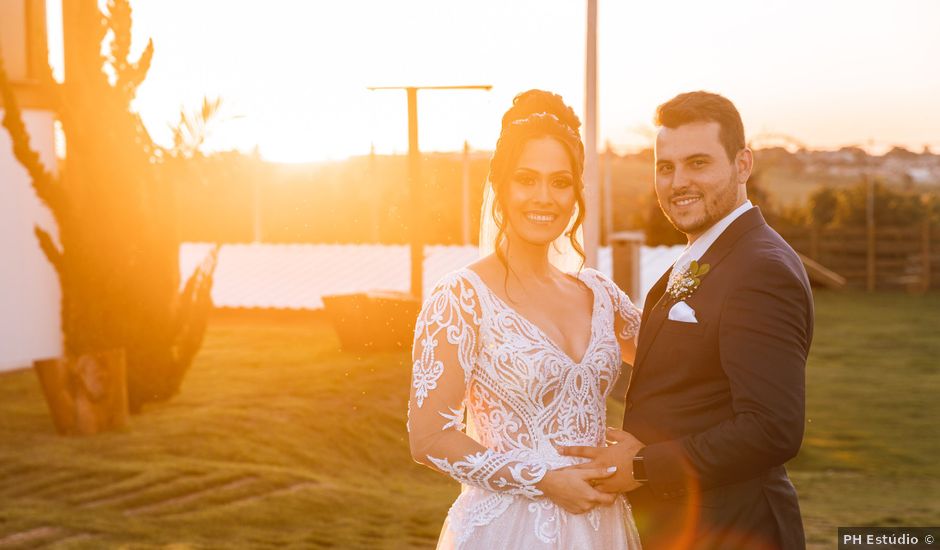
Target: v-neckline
544,335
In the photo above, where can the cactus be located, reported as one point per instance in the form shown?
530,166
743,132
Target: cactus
117,250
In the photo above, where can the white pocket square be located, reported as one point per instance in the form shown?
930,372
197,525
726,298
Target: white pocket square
683,313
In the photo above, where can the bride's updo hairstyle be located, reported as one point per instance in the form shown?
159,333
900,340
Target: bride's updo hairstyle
536,114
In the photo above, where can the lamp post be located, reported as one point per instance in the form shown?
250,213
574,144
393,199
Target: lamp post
871,258
591,194
465,195
414,183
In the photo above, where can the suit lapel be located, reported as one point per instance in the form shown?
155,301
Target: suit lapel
726,241
650,322
656,294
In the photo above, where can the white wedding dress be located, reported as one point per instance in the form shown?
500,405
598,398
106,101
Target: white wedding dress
522,396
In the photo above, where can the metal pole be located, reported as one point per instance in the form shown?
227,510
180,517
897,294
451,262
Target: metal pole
608,195
376,234
591,195
465,196
925,247
256,206
415,218
870,226
416,223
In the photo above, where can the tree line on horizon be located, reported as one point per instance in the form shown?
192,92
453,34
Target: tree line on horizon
241,198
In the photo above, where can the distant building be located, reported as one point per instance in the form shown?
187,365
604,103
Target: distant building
923,174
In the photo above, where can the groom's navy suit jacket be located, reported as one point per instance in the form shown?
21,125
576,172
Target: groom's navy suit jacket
720,403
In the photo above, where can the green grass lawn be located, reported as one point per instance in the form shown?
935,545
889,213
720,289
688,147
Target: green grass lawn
278,439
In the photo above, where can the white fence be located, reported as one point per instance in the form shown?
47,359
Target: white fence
296,276
263,276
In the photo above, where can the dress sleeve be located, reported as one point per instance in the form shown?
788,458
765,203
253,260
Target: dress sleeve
627,316
444,354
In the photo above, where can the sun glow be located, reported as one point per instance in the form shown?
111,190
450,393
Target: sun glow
296,73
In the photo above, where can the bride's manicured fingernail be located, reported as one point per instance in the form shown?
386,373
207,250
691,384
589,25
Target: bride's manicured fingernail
611,470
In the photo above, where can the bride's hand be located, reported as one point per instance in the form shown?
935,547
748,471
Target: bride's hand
571,488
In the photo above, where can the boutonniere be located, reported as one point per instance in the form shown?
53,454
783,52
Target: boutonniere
684,285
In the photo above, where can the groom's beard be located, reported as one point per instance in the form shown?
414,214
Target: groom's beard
713,206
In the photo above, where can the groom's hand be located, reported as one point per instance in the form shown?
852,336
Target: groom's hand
622,447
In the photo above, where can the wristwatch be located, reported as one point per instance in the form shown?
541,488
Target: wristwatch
639,468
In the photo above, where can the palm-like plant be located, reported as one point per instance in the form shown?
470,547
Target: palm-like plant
117,252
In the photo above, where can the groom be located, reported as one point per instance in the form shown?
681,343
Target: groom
715,405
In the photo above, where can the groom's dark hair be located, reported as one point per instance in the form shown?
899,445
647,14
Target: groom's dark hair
705,107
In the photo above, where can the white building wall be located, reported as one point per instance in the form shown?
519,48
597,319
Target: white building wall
29,288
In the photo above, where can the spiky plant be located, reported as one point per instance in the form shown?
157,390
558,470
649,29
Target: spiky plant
117,251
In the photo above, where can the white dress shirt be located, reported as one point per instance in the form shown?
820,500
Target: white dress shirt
697,249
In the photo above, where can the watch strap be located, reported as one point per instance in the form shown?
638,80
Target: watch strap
639,469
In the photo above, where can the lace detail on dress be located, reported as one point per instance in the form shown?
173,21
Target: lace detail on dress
424,378
466,516
454,419
628,314
522,395
548,520
445,354
482,469
445,310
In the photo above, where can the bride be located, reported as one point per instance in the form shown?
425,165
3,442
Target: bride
526,353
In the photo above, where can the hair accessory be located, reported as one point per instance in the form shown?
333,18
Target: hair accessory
542,115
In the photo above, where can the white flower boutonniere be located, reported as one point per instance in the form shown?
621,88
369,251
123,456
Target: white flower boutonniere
684,285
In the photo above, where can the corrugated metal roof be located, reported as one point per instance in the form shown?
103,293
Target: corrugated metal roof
296,276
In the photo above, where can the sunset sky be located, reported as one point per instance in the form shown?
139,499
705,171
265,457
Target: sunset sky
826,74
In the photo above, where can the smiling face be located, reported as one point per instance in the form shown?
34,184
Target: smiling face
540,196
696,183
